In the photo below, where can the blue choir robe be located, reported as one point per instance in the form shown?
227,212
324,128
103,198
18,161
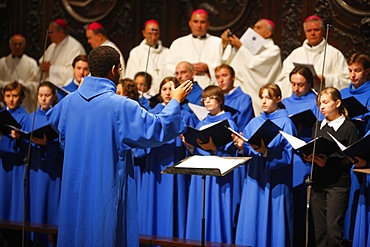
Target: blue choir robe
44,179
12,172
266,212
241,102
301,169
71,87
221,201
361,236
362,94
144,102
98,204
166,194
195,97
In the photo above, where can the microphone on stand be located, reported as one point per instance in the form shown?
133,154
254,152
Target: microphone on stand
309,180
27,158
147,61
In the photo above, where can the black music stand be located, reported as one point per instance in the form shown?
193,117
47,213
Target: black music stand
205,165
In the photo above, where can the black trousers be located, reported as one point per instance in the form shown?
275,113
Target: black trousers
328,207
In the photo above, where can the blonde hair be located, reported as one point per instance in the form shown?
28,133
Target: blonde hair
335,95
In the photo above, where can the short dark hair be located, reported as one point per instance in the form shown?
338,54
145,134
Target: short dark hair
214,90
305,72
79,58
13,86
147,76
226,66
102,59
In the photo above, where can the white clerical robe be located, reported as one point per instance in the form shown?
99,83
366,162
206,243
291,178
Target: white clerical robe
194,50
335,71
121,58
138,60
61,57
25,71
253,71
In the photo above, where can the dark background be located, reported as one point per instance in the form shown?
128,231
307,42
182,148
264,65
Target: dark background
123,19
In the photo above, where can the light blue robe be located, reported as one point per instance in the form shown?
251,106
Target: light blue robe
98,129
266,211
12,172
222,200
165,193
241,102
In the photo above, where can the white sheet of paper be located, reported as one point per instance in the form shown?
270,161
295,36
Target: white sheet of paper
253,41
200,111
294,141
340,145
215,162
310,66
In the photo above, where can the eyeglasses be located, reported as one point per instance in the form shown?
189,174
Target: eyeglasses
119,67
208,98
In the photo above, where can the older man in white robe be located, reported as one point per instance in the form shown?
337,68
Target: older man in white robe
312,52
199,48
149,56
254,68
17,66
56,65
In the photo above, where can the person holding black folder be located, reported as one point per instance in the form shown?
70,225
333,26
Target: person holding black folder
359,89
331,174
11,159
359,69
223,192
45,166
266,212
167,194
302,99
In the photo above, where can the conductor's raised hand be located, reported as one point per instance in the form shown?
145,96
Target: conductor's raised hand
181,91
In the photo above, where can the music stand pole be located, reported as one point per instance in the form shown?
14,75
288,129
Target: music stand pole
203,211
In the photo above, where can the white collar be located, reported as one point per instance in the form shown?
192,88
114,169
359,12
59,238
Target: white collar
335,124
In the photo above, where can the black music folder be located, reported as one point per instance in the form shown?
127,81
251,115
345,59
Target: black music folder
323,145
46,130
6,120
354,107
206,165
220,135
359,148
267,131
305,118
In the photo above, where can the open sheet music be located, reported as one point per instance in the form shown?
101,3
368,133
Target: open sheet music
206,165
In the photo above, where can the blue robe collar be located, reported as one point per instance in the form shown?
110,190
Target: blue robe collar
95,86
308,95
274,115
362,89
212,119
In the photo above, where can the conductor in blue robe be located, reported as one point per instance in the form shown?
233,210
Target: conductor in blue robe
98,205
266,210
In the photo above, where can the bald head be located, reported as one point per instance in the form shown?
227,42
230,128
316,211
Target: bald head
263,28
184,71
17,44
